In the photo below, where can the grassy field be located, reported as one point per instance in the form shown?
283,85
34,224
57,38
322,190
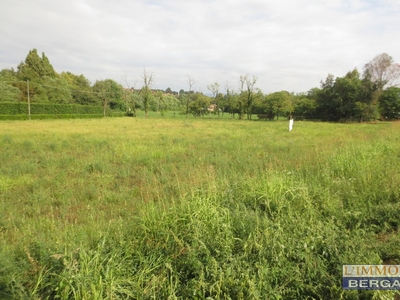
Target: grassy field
176,208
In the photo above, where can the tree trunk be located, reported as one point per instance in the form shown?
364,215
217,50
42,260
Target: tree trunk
104,108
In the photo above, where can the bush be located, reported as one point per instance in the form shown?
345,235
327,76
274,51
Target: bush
13,108
55,109
50,116
19,111
130,114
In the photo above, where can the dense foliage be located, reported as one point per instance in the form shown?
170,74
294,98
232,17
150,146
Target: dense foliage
48,108
353,97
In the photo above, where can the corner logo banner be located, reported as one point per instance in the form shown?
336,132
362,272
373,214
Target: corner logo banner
371,277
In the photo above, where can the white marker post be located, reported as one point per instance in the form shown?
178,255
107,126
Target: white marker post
290,123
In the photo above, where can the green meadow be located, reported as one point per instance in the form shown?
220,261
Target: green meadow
176,208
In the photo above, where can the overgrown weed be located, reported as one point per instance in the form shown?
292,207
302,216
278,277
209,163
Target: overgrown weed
145,209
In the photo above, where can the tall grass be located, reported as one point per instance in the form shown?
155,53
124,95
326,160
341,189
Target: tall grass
194,209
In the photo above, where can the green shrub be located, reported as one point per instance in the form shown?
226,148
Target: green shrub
51,116
19,111
46,108
13,108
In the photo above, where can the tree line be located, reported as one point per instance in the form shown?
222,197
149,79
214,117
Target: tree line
360,97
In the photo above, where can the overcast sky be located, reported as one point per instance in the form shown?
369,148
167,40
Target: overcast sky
287,44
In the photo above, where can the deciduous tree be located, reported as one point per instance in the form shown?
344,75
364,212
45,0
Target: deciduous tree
109,93
247,88
199,104
389,103
230,103
80,89
8,91
383,71
146,92
130,96
304,106
57,90
278,104
214,89
191,83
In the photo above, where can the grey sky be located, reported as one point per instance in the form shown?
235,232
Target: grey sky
288,44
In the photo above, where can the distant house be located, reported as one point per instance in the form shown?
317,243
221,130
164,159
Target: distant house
213,107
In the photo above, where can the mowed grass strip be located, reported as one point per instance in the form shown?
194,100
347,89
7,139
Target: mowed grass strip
132,208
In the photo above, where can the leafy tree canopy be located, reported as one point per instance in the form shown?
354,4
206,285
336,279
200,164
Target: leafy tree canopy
389,103
9,93
35,67
109,92
383,71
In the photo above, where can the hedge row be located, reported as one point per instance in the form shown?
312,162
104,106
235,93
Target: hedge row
20,108
59,116
49,116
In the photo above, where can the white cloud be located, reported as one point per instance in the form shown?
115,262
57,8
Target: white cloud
288,44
